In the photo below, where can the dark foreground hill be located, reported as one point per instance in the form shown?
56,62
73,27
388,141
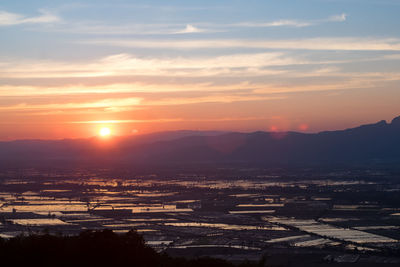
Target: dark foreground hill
93,248
373,143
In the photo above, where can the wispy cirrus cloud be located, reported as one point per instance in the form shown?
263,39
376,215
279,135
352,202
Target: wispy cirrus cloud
289,22
110,104
125,121
122,104
190,29
127,64
134,28
9,19
325,43
338,18
127,73
12,91
277,23
159,93
170,120
101,28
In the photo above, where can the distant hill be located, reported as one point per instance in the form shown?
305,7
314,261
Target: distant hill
377,142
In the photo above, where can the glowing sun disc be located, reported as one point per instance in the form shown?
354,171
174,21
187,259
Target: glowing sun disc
105,131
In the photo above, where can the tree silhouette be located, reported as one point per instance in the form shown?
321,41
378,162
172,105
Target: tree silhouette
93,248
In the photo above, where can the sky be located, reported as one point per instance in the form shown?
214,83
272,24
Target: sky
70,68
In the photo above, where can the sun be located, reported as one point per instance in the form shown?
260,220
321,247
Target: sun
105,131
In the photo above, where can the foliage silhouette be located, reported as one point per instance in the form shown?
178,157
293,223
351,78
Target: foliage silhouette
93,248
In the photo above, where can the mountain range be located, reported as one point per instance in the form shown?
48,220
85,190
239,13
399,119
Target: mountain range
379,142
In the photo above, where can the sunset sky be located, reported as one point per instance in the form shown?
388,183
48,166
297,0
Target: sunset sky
70,68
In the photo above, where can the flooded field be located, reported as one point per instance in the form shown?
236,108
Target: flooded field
195,211
329,231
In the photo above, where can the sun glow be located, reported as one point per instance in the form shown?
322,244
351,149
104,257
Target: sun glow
105,131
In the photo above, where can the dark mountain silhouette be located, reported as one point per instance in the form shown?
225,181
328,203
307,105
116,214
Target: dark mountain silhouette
68,149
377,142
